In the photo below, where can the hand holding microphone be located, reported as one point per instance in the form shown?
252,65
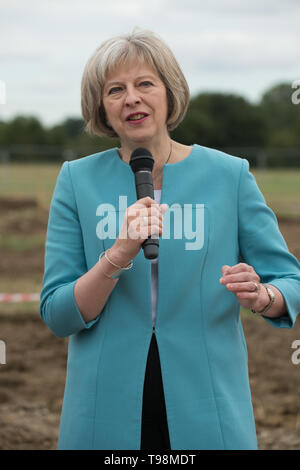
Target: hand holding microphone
141,163
142,224
142,219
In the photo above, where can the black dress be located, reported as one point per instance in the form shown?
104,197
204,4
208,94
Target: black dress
155,433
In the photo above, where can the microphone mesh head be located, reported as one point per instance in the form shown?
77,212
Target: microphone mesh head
141,159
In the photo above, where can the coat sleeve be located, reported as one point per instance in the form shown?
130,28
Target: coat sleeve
64,261
263,247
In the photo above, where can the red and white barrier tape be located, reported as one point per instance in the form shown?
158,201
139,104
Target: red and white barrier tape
19,297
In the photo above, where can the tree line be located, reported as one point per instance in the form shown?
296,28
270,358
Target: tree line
224,121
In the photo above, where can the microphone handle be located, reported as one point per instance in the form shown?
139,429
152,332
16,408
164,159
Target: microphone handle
144,188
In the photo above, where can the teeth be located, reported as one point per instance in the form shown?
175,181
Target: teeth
136,117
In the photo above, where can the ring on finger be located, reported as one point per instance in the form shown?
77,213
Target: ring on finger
256,287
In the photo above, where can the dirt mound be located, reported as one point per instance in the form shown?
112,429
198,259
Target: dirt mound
9,203
25,222
22,217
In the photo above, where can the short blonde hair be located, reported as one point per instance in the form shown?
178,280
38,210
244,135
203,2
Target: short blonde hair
143,45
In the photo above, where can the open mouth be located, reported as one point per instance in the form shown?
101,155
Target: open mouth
137,117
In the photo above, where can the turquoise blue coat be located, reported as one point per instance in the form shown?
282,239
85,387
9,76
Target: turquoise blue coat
198,328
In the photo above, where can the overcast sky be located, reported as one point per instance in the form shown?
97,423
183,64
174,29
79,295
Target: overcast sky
222,45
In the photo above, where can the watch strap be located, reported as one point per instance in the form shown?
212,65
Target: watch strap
272,299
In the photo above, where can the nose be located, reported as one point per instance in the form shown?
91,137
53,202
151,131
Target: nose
132,96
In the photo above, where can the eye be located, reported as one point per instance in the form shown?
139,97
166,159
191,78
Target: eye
114,90
146,83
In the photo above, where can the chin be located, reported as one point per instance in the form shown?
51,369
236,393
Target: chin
142,137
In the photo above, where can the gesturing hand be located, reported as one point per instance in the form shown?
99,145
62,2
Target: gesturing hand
244,282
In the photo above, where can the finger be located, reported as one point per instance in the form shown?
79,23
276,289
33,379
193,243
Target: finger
163,208
147,201
140,210
152,220
154,230
136,210
225,269
243,276
150,230
154,211
237,268
247,296
134,229
242,286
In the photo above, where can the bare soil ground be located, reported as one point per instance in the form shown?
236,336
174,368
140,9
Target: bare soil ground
32,380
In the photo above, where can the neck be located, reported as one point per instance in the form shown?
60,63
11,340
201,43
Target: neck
160,152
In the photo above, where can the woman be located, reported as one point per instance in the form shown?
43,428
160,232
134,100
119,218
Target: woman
157,357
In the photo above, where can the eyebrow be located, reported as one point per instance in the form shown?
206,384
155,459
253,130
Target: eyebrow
109,84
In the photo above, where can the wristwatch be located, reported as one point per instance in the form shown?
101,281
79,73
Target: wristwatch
272,299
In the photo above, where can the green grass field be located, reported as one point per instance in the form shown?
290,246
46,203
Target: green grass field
281,188
29,180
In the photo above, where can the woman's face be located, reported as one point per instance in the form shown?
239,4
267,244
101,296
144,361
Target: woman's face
135,102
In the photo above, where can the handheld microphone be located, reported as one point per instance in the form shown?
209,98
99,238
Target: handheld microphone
141,163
